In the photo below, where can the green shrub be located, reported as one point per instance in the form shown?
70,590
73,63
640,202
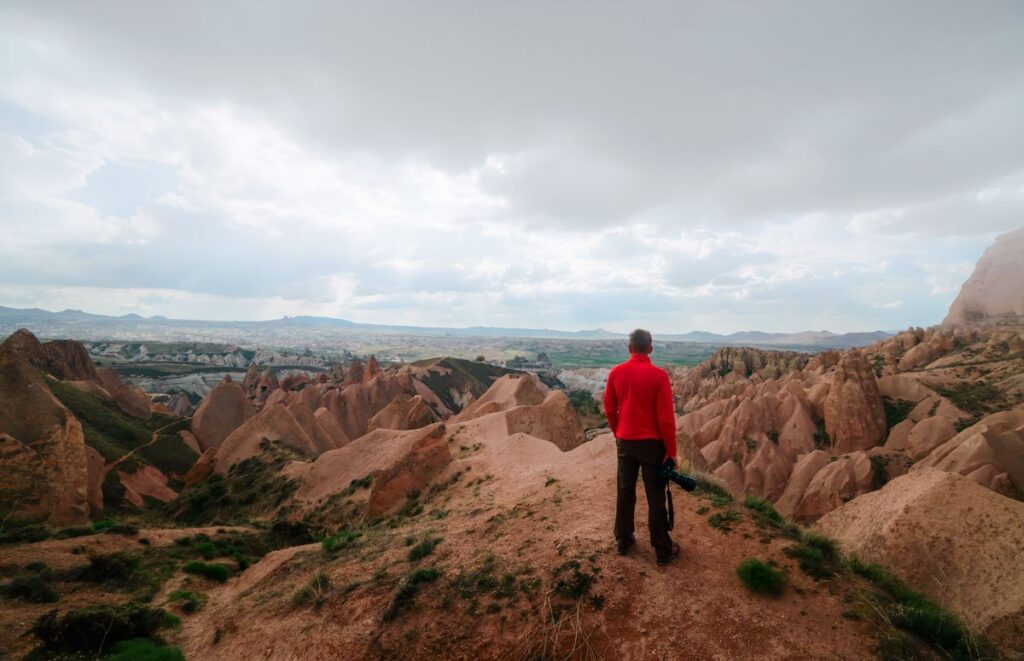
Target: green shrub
118,566
342,539
143,649
571,581
817,555
207,550
88,630
34,589
423,549
24,533
758,576
896,410
190,601
213,570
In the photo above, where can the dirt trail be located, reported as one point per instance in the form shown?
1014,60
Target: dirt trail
152,439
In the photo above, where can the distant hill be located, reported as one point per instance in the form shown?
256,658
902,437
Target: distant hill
67,320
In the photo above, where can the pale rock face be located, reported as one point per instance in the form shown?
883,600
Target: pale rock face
766,472
838,482
897,439
854,416
506,393
797,435
927,435
807,466
220,413
996,287
146,482
990,452
731,473
273,423
553,420
202,469
959,543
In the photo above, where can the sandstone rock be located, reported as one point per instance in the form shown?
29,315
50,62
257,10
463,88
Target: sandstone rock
996,287
505,393
840,481
990,452
372,369
189,439
273,423
202,469
251,381
220,413
146,482
42,449
130,399
427,458
897,439
960,544
404,412
553,420
66,360
732,475
766,473
927,435
854,416
806,467
267,385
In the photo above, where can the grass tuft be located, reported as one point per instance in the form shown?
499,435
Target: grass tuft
760,577
212,570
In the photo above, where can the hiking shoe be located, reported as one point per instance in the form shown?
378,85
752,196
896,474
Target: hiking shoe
624,545
665,559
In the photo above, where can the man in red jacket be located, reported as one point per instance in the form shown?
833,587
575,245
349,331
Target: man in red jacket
641,414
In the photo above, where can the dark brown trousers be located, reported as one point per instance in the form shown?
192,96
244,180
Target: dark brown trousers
645,457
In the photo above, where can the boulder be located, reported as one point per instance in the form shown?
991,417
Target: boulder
958,543
854,415
220,413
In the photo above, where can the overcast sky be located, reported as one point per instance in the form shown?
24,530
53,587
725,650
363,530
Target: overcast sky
713,166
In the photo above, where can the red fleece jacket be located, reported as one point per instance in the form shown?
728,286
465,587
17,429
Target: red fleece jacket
638,403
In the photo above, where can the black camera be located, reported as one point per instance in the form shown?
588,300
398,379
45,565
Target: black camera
666,472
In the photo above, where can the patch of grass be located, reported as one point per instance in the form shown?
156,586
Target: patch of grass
33,589
143,649
89,630
879,471
758,576
405,596
764,511
817,555
212,570
357,484
896,410
314,591
423,549
975,397
724,520
16,532
190,601
822,441
340,540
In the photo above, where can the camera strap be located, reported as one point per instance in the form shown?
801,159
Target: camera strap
670,512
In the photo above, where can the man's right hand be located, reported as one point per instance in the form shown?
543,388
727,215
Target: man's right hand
670,462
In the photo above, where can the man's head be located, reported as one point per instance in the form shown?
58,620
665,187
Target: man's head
640,341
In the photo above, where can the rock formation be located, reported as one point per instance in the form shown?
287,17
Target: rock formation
220,413
66,360
854,416
960,544
42,449
995,289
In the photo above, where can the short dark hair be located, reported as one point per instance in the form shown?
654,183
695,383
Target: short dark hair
640,340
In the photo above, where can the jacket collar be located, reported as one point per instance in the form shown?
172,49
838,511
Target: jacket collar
640,357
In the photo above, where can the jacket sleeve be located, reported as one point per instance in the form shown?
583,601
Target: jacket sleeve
611,403
667,417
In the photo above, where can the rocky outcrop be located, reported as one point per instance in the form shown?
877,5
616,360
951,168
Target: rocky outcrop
292,425
202,469
427,458
42,449
130,399
854,416
800,478
995,289
840,481
990,453
251,380
508,392
927,435
220,413
66,360
554,419
404,412
960,544
146,482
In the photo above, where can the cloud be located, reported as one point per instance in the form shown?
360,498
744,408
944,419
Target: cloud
696,166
